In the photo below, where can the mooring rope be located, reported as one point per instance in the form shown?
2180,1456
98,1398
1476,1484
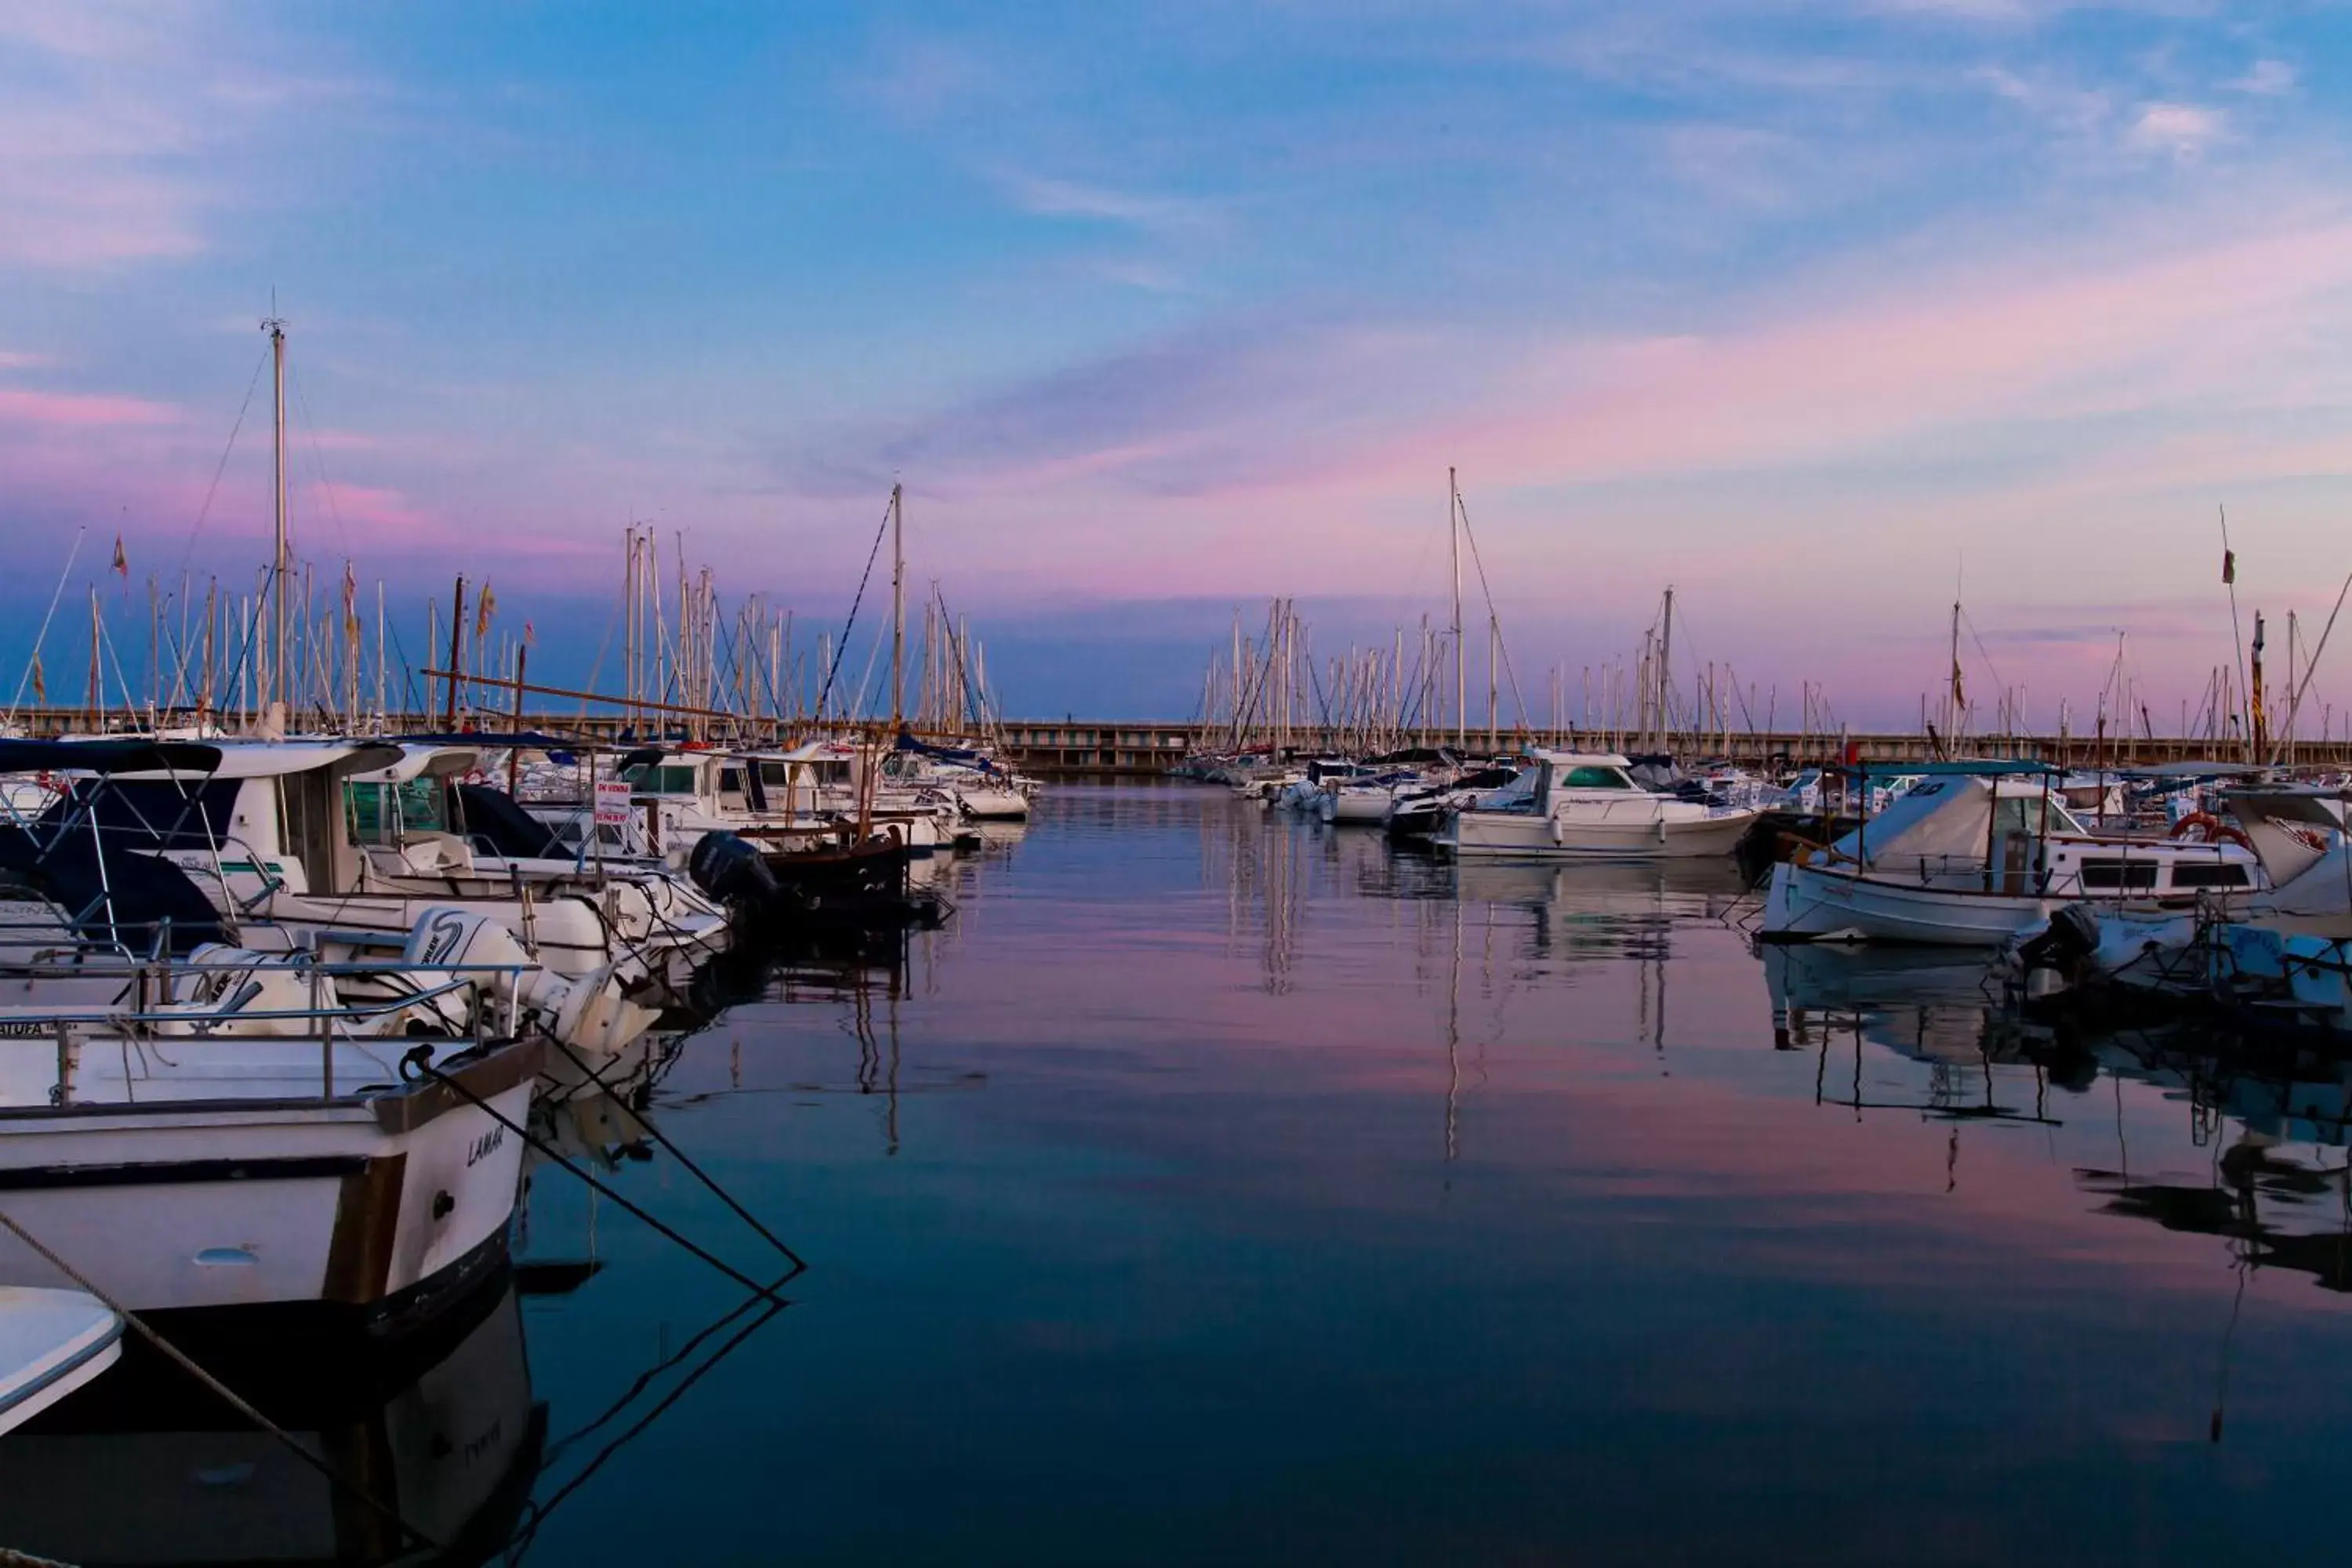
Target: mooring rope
418,1063
228,1395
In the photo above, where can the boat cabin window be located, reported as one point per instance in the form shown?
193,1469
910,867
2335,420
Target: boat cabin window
2119,875
1589,777
662,778
385,813
730,780
775,775
2216,874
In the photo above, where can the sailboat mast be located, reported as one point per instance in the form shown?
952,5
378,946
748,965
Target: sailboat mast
898,608
275,690
1952,715
1665,670
1461,654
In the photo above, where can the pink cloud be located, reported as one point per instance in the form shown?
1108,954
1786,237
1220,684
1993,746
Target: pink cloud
20,406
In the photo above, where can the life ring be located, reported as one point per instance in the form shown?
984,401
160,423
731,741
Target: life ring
2209,829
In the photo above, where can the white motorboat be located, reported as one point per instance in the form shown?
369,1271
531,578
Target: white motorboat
52,1342
1586,804
1977,852
255,1137
968,775
349,841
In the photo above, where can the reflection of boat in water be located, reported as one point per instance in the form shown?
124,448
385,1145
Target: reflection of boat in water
146,1467
2273,1193
1813,978
1707,888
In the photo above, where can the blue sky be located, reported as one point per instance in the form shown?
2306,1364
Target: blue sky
1812,310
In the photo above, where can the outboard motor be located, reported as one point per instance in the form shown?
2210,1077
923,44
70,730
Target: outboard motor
588,1013
231,993
729,868
2052,959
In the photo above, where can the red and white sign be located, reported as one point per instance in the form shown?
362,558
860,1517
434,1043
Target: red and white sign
612,803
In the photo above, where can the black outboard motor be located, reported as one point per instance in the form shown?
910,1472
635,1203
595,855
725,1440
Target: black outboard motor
2071,937
729,868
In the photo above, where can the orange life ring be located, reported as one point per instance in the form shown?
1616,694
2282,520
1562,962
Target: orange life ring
2209,829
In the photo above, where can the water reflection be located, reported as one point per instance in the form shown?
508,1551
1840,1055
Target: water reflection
145,1466
1375,1208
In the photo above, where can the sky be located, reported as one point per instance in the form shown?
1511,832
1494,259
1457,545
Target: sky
1819,313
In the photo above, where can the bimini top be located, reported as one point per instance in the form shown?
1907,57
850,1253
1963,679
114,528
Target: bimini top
275,759
423,759
107,757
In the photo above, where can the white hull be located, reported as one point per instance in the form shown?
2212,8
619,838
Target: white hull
993,805
242,1200
1358,807
1638,833
1808,903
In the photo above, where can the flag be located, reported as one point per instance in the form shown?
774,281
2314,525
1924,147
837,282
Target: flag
483,610
122,560
530,635
40,686
1959,696
2229,566
350,603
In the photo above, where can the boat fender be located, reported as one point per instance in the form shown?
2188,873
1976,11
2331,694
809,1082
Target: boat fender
1558,833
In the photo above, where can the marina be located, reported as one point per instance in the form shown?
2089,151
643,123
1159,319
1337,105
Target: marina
1103,785
1246,1188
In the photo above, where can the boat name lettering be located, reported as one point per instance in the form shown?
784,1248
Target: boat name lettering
449,930
485,1145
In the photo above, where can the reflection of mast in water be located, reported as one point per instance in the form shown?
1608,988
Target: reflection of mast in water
1453,1040
874,1075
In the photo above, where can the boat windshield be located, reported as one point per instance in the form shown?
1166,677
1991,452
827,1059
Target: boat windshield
665,779
1589,776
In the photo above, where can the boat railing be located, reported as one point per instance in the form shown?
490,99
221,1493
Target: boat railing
193,1021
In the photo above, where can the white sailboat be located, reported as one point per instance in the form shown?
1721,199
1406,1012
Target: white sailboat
1976,853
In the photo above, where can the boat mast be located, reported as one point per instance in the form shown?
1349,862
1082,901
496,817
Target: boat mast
898,608
1461,655
1666,671
273,696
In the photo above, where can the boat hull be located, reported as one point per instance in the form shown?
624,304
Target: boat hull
1810,903
1597,835
361,1213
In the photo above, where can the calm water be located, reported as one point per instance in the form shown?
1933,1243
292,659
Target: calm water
1216,1187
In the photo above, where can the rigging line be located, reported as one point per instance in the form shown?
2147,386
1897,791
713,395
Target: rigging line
842,650
2310,668
212,490
1478,562
57,594
1982,652
318,463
